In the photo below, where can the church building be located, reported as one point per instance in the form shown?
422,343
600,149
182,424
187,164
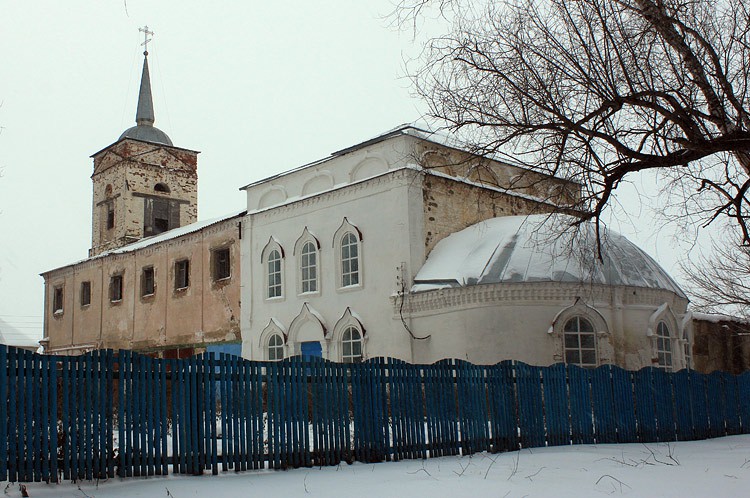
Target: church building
156,280
408,246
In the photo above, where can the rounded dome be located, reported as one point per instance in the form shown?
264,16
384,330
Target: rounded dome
528,249
146,133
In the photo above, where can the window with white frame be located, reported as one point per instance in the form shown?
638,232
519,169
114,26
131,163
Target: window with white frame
349,260
664,346
276,348
580,342
309,268
273,272
351,345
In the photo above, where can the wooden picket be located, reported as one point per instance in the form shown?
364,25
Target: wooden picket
530,405
581,405
682,406
556,409
104,413
503,407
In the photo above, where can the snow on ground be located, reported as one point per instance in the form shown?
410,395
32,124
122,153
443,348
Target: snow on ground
716,468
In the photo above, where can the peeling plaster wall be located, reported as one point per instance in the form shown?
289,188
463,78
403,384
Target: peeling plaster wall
207,311
721,345
132,169
450,206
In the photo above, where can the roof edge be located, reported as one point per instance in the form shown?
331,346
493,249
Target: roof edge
93,156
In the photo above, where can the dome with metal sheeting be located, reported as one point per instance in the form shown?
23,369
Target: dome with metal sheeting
530,249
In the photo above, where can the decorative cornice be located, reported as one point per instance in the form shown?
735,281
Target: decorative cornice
341,191
477,296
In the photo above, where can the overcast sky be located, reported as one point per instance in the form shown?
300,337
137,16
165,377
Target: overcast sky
257,87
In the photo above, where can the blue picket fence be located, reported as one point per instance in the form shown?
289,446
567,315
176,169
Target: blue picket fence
109,414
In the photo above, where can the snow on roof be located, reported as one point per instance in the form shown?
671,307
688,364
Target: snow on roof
485,186
172,234
527,249
168,235
14,336
717,318
415,129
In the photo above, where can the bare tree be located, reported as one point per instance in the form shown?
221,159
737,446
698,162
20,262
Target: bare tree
721,281
594,91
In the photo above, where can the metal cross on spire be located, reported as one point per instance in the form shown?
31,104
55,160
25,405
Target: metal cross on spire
146,38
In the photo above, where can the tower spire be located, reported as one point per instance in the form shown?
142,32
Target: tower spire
144,115
144,128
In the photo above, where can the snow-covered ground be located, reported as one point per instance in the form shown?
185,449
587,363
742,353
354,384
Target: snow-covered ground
715,468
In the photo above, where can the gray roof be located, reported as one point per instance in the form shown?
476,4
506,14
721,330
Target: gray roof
531,249
144,116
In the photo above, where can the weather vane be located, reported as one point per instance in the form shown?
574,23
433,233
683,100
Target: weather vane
146,38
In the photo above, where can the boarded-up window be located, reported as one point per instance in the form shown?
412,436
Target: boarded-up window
57,300
181,274
159,215
115,288
85,293
110,215
147,281
221,265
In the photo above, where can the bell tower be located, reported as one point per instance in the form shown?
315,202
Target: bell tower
143,184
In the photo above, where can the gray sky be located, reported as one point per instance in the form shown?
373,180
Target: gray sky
257,87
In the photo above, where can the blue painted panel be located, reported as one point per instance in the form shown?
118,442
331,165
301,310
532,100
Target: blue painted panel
311,349
234,349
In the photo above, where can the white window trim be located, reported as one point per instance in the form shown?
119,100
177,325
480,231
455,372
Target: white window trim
670,367
580,317
344,228
272,245
664,314
347,320
307,314
601,331
352,341
274,328
308,238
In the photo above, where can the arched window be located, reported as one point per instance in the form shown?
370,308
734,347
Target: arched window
349,260
580,342
275,348
309,268
664,346
273,265
351,346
